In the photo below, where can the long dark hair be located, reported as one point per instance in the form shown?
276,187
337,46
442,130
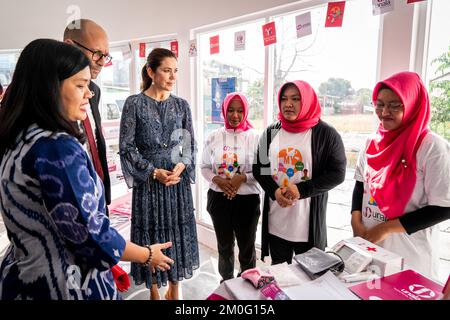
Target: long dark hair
34,93
154,60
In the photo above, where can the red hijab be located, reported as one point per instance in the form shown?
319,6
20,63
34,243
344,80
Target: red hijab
310,110
391,157
245,124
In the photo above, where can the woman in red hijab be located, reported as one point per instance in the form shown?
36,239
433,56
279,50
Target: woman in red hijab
233,195
299,159
403,176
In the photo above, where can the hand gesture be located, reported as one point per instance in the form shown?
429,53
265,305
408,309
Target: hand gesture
236,182
159,260
225,185
166,177
292,192
283,201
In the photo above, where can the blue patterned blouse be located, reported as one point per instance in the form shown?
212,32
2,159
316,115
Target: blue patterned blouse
53,206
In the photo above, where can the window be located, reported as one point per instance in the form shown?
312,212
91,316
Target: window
115,88
243,68
141,61
438,71
340,63
8,60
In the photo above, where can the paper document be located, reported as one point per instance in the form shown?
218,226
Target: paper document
327,287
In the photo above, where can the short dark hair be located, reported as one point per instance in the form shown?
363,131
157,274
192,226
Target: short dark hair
1,89
34,93
154,60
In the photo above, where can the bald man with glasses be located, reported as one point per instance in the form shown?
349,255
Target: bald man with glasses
93,41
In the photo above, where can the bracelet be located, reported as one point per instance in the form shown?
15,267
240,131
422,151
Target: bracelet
149,259
154,174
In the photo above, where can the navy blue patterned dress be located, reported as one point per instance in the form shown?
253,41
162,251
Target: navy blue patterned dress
53,206
159,134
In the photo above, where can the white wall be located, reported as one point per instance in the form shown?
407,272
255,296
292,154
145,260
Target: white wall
23,21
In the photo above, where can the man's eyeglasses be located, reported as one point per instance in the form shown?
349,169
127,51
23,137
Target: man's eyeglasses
393,107
96,55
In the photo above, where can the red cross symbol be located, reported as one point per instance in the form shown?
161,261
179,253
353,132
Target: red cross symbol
371,249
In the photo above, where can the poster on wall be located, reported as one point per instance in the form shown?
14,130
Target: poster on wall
335,14
142,50
303,24
214,45
239,40
193,48
220,87
269,33
382,6
174,48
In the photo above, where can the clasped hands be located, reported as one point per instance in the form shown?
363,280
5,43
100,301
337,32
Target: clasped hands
170,178
231,186
287,196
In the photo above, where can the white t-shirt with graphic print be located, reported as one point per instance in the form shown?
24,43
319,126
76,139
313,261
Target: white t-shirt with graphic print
420,249
227,153
290,163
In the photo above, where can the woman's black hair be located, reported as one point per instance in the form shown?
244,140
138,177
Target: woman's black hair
34,94
154,60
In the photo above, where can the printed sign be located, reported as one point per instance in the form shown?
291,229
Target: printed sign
335,14
382,6
303,24
239,41
269,33
214,45
220,87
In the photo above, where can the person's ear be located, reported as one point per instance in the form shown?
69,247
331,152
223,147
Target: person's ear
150,73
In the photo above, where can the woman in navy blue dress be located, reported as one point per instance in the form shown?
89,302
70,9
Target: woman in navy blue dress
51,200
157,149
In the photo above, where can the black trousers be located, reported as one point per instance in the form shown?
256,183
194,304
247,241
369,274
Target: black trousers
237,218
282,250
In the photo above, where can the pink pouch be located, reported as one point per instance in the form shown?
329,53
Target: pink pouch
258,278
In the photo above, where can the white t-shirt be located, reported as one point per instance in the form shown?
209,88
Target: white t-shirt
419,249
226,153
290,163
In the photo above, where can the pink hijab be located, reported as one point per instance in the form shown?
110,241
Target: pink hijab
310,110
391,157
245,124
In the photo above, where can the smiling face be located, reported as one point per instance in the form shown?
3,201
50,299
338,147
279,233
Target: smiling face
165,76
75,95
235,113
389,109
291,103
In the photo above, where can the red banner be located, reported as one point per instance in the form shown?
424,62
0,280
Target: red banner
214,45
174,47
335,14
142,49
269,33
412,1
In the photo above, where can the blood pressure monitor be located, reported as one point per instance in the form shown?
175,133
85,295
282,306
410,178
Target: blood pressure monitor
355,259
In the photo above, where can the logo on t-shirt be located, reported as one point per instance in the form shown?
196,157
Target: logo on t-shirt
290,163
230,165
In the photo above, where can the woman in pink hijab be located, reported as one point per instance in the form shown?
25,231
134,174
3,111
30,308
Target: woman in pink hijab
300,158
233,195
403,176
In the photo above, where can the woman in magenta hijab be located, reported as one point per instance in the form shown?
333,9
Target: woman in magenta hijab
299,159
233,195
403,176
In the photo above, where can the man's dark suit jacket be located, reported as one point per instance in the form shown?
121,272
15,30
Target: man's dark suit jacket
101,145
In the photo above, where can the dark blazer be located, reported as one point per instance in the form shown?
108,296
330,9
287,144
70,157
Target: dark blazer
328,171
101,145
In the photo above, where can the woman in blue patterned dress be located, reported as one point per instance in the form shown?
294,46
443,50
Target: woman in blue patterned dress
51,200
157,149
